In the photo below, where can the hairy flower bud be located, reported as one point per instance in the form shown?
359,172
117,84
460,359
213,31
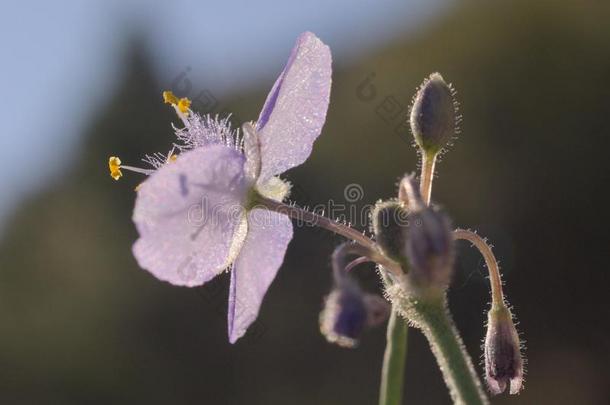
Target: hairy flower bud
503,361
430,248
389,218
348,311
433,115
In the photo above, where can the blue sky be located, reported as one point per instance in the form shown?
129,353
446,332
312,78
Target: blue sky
59,59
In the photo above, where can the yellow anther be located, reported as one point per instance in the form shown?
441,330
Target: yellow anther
170,98
172,158
184,104
114,164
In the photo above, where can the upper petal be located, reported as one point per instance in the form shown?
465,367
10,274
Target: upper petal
188,214
256,266
295,109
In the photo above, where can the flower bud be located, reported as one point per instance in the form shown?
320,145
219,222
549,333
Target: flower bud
389,219
348,311
430,248
433,115
503,361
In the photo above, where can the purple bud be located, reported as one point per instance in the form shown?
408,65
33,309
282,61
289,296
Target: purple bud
430,248
348,311
433,115
344,316
503,360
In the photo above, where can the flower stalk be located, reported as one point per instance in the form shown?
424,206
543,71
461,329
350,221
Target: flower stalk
312,218
502,347
448,348
497,296
427,174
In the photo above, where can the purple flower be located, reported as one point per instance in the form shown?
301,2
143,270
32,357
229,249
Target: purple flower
196,214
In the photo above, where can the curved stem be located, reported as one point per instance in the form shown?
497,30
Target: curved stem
428,161
393,370
497,296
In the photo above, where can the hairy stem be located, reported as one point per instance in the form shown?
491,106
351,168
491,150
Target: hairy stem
393,370
301,215
497,295
312,218
448,348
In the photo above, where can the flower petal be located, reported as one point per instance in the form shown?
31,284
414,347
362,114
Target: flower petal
295,110
188,214
256,266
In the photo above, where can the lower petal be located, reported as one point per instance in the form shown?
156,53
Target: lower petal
260,258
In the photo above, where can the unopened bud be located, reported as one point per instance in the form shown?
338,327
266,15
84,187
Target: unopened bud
433,115
389,219
348,311
503,361
430,248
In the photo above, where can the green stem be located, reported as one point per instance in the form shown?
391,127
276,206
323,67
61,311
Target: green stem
427,175
392,373
448,348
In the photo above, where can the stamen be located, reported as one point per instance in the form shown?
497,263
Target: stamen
170,98
114,164
182,105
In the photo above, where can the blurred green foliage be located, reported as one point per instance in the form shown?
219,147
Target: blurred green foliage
82,324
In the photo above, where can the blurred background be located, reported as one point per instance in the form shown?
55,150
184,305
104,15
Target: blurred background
81,323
